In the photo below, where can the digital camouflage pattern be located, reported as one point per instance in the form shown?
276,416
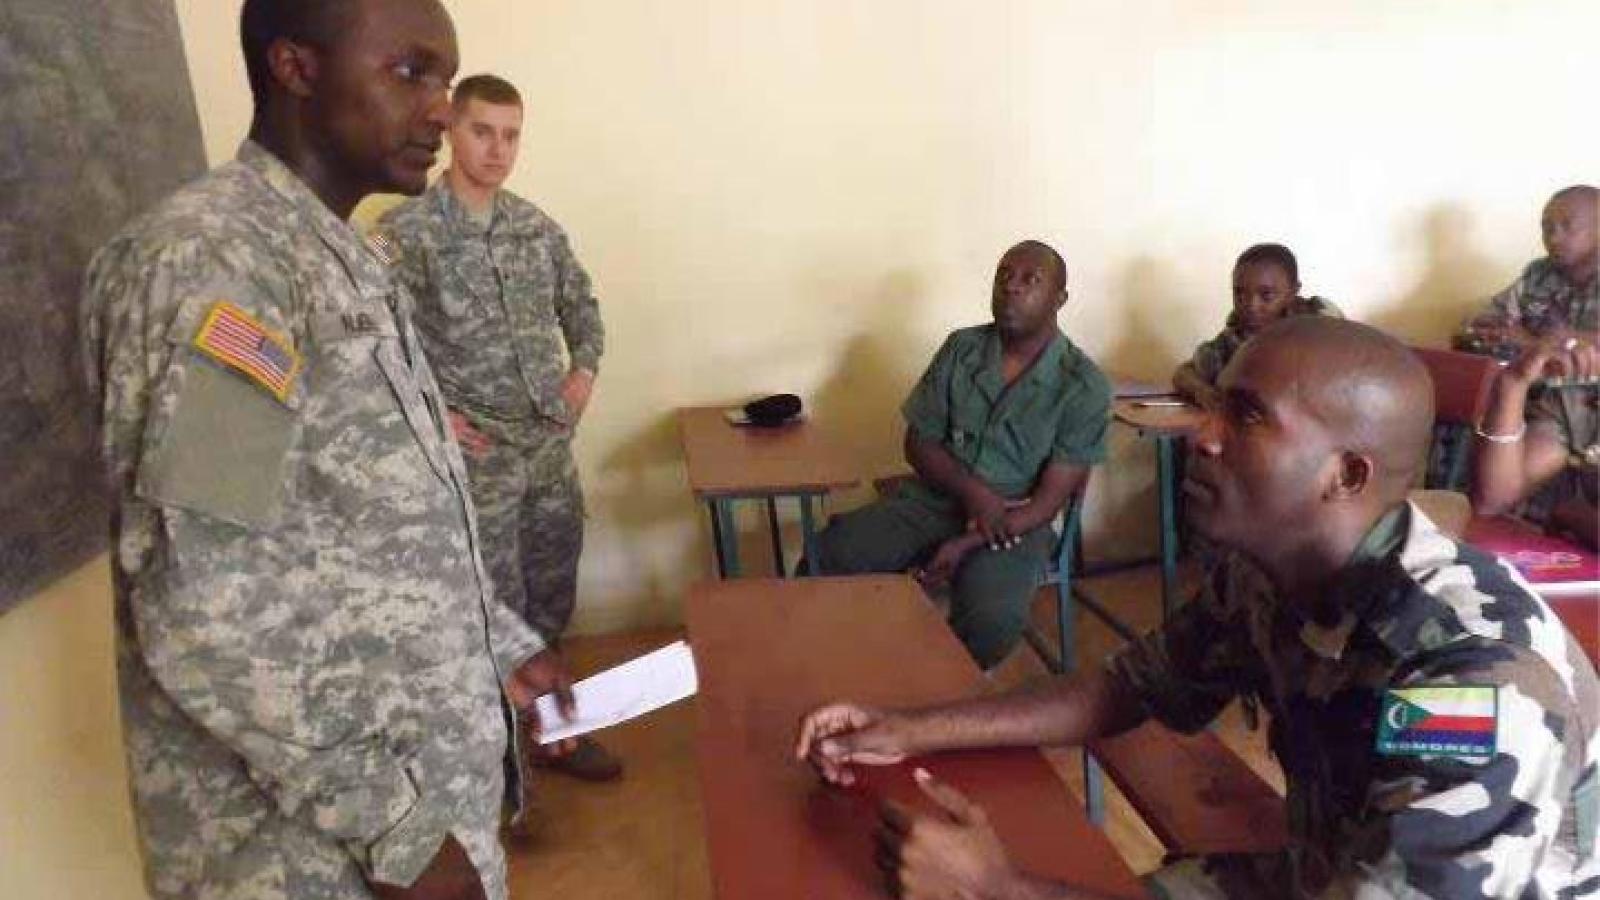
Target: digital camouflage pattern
505,311
1541,301
1413,609
1212,356
309,661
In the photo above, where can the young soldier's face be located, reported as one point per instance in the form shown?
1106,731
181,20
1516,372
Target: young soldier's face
1569,232
484,139
381,100
1026,294
1260,462
1261,293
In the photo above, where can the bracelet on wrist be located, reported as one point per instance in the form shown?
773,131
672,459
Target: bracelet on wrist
1511,438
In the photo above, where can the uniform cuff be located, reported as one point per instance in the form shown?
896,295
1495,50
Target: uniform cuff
406,850
586,359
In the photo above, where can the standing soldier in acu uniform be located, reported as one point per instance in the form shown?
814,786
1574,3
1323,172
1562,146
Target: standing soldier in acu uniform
509,319
314,674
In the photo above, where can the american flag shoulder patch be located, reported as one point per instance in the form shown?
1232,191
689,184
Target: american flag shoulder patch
231,337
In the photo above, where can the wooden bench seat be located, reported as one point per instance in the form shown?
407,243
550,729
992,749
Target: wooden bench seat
1196,795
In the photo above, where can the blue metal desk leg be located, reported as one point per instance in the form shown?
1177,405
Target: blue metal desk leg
777,537
808,532
727,536
1169,523
1094,789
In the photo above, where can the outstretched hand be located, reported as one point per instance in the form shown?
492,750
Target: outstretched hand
953,852
840,735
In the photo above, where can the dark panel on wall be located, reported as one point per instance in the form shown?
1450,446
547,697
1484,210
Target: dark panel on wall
97,123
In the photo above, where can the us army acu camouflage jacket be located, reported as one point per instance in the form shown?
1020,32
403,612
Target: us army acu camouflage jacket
504,314
1381,696
307,652
1541,301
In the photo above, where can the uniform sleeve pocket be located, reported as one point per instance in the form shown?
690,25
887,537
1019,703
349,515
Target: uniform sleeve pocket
222,450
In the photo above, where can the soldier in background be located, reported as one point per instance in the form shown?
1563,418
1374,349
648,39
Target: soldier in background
509,320
313,671
1556,295
1435,721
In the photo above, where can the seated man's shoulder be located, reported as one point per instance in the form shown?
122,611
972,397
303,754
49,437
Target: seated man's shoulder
1315,306
411,216
529,218
1082,374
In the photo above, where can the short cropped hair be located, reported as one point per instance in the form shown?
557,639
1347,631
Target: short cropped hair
485,87
313,22
1276,254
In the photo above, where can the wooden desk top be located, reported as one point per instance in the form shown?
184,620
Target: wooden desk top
769,651
728,460
1157,420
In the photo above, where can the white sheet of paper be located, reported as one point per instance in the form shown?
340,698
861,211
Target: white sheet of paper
636,687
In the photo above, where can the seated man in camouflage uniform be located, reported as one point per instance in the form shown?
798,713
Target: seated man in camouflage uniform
1266,288
1555,442
1436,724
309,659
1556,295
509,319
1001,430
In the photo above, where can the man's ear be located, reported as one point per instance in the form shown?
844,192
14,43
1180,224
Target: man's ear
1061,300
293,65
1356,473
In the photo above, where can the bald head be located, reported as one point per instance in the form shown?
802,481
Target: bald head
1568,227
1372,395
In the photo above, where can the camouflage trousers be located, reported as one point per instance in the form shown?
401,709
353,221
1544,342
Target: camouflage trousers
530,524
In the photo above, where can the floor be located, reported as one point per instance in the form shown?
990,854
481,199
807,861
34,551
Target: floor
641,837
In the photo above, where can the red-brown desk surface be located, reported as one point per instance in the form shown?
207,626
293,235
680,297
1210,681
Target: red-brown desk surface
769,651
724,459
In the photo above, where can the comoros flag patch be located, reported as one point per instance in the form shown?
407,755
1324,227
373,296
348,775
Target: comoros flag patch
1452,720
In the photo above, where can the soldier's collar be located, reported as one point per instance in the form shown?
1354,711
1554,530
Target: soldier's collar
456,213
340,236
1358,587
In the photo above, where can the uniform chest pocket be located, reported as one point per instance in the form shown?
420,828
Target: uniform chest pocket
468,282
377,433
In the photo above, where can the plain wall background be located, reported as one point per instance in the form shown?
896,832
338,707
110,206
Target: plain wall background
807,196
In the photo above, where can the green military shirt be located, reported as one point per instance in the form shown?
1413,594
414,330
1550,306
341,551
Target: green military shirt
1436,724
1054,412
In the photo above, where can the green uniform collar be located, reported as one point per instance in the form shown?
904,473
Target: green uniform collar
1352,595
1046,371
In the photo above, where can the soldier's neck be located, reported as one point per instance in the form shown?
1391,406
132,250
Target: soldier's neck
331,185
477,198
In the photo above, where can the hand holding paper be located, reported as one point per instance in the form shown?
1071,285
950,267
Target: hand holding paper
625,692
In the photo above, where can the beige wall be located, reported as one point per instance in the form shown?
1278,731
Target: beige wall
806,196
776,195
66,832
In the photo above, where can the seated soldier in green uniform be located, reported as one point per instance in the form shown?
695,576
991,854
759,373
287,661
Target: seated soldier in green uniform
1266,288
1557,294
1001,430
1555,441
1435,721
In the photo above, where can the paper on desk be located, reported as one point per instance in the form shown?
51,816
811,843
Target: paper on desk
625,692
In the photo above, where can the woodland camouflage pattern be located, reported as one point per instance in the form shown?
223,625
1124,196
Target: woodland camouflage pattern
309,661
1413,609
1541,301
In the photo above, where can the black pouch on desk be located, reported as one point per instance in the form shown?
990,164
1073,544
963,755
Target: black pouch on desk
778,409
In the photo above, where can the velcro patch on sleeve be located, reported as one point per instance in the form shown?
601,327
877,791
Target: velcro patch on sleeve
231,337
1446,720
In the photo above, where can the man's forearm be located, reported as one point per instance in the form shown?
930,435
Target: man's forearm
1063,712
1498,480
938,467
1057,485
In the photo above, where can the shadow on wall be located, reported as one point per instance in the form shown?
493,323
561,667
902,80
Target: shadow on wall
1157,319
1457,278
859,403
